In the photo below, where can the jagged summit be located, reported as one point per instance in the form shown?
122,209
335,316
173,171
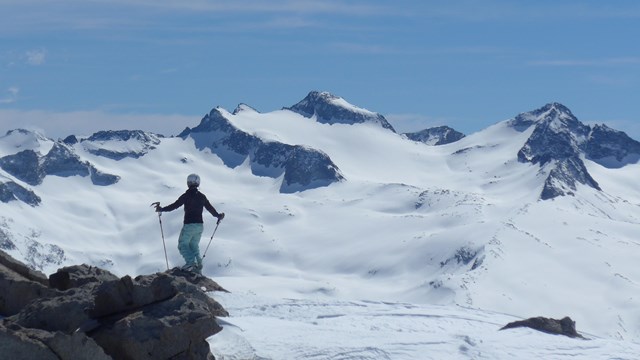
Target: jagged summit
332,109
554,115
559,142
242,107
554,110
556,144
215,120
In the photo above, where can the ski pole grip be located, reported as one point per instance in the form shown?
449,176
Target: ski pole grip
157,206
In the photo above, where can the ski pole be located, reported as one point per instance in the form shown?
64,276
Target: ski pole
157,205
214,232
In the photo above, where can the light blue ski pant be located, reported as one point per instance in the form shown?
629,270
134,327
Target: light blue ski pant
189,243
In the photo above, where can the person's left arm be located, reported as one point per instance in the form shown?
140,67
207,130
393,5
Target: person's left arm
212,210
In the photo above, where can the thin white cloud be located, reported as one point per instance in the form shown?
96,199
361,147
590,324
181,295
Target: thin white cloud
258,6
11,95
107,14
61,124
36,57
588,62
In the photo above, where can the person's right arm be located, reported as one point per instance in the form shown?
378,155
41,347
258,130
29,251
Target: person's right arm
173,206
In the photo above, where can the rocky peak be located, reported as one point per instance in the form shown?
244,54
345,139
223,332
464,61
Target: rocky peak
25,134
332,109
18,140
439,135
556,144
119,144
554,116
214,121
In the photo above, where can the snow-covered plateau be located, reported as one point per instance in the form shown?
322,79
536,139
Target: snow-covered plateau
350,241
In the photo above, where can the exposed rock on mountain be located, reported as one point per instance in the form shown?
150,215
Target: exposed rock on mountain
98,316
559,142
29,166
331,109
24,165
436,135
611,148
11,191
303,167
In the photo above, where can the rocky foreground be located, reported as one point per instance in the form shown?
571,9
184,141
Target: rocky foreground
84,312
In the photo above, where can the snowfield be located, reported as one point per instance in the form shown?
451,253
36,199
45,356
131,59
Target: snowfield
422,252
276,328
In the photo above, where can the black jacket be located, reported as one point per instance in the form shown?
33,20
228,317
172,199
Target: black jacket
194,201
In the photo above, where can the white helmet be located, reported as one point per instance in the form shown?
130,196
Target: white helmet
193,180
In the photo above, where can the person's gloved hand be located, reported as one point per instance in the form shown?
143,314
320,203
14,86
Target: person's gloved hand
220,217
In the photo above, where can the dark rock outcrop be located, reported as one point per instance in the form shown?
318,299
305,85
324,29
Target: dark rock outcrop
24,165
19,285
439,135
565,326
11,191
79,275
90,313
30,167
611,148
34,344
332,109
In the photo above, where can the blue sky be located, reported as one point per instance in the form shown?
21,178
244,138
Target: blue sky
72,66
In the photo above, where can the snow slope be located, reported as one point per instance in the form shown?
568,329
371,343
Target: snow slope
335,329
430,234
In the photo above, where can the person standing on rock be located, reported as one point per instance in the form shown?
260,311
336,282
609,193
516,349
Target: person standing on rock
194,204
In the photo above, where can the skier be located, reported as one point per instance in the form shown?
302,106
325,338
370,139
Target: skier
189,241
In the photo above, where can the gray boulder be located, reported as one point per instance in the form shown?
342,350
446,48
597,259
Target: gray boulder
78,275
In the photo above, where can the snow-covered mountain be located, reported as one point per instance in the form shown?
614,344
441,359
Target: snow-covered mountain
327,108
535,215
